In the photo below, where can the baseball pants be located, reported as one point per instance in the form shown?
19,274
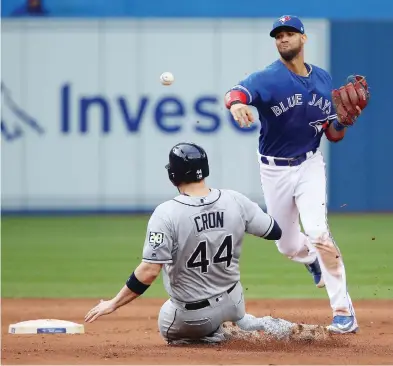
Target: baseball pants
180,321
300,191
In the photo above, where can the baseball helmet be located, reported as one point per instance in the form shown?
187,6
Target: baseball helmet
187,163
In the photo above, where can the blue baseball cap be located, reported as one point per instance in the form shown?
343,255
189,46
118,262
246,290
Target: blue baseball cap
289,22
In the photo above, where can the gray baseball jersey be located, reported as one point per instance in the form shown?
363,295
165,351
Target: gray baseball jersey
199,241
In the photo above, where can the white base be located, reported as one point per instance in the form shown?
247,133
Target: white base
46,326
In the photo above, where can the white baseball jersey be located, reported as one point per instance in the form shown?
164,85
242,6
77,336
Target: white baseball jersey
199,241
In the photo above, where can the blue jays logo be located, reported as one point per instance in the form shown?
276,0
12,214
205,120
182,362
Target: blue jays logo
319,125
284,19
14,119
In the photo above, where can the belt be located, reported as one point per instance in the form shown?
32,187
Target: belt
204,303
297,160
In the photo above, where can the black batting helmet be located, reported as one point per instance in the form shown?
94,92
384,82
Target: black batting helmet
187,163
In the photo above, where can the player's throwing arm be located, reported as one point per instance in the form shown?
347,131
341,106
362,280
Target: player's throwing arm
240,111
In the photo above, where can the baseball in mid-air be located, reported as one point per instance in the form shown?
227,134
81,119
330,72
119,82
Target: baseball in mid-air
167,78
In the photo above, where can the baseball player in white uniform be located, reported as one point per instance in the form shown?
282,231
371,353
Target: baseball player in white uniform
196,239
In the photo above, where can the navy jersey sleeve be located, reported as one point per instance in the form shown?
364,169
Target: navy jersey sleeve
253,86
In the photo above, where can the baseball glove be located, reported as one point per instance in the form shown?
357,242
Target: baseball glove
345,99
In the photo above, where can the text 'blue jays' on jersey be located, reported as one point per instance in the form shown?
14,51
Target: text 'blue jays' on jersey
292,108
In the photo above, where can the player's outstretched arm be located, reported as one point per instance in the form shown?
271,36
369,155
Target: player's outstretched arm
140,280
235,101
157,250
243,94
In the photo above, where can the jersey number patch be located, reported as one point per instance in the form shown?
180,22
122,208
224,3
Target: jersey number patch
223,254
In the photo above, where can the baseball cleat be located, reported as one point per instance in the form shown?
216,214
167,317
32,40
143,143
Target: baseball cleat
316,272
343,324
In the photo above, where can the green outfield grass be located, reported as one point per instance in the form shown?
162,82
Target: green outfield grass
93,256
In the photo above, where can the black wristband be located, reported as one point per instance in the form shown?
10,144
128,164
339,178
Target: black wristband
135,285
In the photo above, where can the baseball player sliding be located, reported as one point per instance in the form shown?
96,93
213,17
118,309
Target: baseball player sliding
296,104
196,239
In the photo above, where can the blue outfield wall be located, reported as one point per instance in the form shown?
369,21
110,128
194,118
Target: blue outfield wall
361,166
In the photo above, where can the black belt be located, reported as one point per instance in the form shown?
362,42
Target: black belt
204,303
287,162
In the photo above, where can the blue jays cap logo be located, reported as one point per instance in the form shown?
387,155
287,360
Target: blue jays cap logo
284,19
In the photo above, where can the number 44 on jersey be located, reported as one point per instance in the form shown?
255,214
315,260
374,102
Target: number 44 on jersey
199,258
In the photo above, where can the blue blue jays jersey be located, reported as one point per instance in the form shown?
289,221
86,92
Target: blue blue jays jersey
292,108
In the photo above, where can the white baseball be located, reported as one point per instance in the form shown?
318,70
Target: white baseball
167,78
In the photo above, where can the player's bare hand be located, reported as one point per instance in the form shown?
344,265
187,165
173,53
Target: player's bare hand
103,308
242,114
